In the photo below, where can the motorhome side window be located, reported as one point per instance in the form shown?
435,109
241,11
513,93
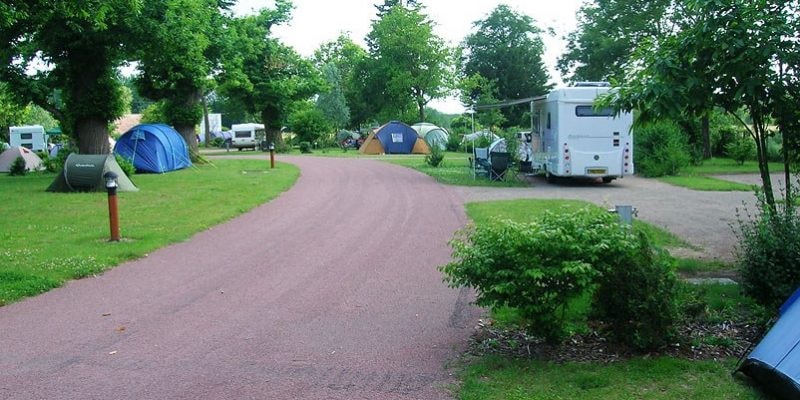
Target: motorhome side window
590,111
26,136
242,134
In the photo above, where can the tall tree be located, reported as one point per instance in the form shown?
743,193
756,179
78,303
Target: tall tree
263,75
332,102
710,64
408,63
348,58
71,48
506,48
177,55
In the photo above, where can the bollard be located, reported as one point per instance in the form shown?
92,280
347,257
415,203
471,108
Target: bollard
272,155
113,213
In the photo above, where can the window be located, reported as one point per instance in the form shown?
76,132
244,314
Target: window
589,111
242,134
548,120
26,136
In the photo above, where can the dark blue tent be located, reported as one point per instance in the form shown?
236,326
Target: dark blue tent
154,148
397,138
775,362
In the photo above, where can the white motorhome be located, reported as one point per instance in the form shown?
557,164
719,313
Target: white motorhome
245,136
571,138
32,137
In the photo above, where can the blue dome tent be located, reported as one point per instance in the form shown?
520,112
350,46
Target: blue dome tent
154,148
394,138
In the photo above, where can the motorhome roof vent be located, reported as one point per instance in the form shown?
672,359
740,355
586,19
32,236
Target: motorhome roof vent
592,84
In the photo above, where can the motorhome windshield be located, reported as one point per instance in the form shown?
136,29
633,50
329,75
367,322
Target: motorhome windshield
590,111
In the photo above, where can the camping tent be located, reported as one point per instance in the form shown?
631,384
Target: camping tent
775,362
432,134
84,173
394,138
32,161
470,137
154,148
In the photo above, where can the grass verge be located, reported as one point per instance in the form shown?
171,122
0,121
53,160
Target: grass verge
49,238
722,166
706,183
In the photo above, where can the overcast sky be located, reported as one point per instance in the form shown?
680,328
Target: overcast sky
318,21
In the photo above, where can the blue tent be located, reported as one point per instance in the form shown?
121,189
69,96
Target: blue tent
775,362
397,138
154,148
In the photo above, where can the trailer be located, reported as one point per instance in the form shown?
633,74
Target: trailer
246,135
32,137
571,138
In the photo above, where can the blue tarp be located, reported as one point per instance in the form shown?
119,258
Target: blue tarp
775,362
154,148
397,138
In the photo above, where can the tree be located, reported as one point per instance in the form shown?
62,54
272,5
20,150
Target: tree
332,103
263,75
11,112
70,49
308,123
506,49
349,59
710,64
408,63
178,53
608,32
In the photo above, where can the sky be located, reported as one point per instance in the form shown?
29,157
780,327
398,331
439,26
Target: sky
318,21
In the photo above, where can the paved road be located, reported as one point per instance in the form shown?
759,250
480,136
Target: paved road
330,291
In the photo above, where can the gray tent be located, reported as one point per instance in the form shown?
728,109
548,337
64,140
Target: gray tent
432,134
84,173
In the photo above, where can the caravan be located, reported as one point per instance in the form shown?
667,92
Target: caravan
32,137
573,139
245,136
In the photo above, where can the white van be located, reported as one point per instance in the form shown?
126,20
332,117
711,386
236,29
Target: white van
573,139
245,136
32,137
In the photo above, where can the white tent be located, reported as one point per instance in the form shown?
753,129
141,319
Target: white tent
32,161
432,134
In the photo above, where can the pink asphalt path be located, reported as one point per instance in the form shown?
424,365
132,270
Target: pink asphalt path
328,292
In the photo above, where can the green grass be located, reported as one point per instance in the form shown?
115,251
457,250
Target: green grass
529,210
454,170
691,266
660,378
49,238
722,166
706,183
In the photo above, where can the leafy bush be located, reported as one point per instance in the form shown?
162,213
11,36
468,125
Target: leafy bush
637,297
537,267
768,253
18,167
308,124
218,142
454,142
741,149
435,157
126,165
661,149
775,148
56,164
305,147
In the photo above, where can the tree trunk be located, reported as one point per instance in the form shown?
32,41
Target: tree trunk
92,135
706,137
207,137
421,108
188,133
763,164
787,168
273,130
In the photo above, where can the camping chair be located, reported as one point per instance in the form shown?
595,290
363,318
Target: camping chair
499,162
480,162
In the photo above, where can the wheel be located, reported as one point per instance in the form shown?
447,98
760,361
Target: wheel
607,179
550,178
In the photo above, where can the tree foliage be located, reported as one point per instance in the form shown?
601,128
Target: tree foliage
349,59
408,64
332,103
506,49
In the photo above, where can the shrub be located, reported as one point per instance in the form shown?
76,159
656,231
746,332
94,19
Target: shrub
537,267
126,165
637,297
308,124
768,252
741,149
56,164
775,148
435,157
454,142
18,167
218,142
661,149
305,147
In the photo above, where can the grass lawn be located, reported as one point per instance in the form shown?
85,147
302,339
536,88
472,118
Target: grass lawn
454,170
501,378
49,238
706,183
722,166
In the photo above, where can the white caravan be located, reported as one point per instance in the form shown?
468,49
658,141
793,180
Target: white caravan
573,139
246,135
32,137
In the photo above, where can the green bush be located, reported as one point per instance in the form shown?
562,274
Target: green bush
774,148
56,164
537,267
741,149
661,149
305,147
768,252
309,124
18,167
126,165
454,142
637,297
218,142
435,157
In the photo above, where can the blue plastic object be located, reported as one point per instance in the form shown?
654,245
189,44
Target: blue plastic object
154,148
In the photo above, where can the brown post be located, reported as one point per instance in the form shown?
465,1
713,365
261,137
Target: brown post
113,215
272,155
